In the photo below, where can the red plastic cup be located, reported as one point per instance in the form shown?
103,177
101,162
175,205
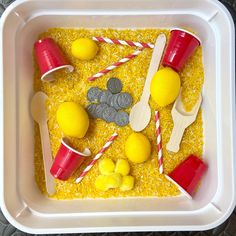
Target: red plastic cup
50,58
67,160
181,46
188,174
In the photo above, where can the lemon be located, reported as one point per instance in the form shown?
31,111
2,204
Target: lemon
84,49
122,167
127,183
165,86
72,119
106,166
137,148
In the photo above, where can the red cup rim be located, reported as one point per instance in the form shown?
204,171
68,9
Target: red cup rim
43,39
179,187
86,152
186,31
45,77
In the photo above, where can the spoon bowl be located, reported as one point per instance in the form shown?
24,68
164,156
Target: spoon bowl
179,107
140,116
38,110
182,119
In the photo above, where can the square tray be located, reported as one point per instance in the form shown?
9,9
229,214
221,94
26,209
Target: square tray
21,201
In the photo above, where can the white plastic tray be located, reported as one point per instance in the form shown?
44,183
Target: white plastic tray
22,203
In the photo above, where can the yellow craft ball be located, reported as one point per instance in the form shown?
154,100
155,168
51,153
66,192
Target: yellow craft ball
114,180
84,49
106,166
101,183
137,148
72,119
127,183
105,182
122,167
165,86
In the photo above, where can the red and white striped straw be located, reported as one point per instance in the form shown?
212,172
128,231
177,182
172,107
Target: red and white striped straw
159,145
123,42
115,65
91,164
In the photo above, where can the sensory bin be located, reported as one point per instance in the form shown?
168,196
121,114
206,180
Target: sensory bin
73,87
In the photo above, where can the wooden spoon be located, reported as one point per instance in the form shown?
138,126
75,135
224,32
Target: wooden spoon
39,113
140,113
182,119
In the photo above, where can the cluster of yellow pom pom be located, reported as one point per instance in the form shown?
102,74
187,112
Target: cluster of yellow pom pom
114,175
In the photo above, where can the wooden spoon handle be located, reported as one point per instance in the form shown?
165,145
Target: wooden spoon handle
154,65
176,136
47,157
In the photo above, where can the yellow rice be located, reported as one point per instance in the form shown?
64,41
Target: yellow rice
74,86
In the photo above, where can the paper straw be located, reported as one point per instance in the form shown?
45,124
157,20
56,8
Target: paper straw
159,145
91,164
123,42
115,65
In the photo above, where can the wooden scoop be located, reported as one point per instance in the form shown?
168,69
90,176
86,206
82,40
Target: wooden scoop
182,120
39,113
140,113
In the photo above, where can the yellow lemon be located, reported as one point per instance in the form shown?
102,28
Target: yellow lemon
122,167
165,86
106,166
137,148
127,183
72,119
84,49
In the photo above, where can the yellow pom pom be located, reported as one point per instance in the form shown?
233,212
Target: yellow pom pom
84,49
137,148
105,182
127,183
106,166
114,180
122,167
101,183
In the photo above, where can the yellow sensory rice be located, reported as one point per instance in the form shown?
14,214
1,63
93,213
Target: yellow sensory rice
73,87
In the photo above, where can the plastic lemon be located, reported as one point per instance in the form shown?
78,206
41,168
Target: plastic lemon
72,119
122,167
137,148
106,166
165,86
127,183
84,49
